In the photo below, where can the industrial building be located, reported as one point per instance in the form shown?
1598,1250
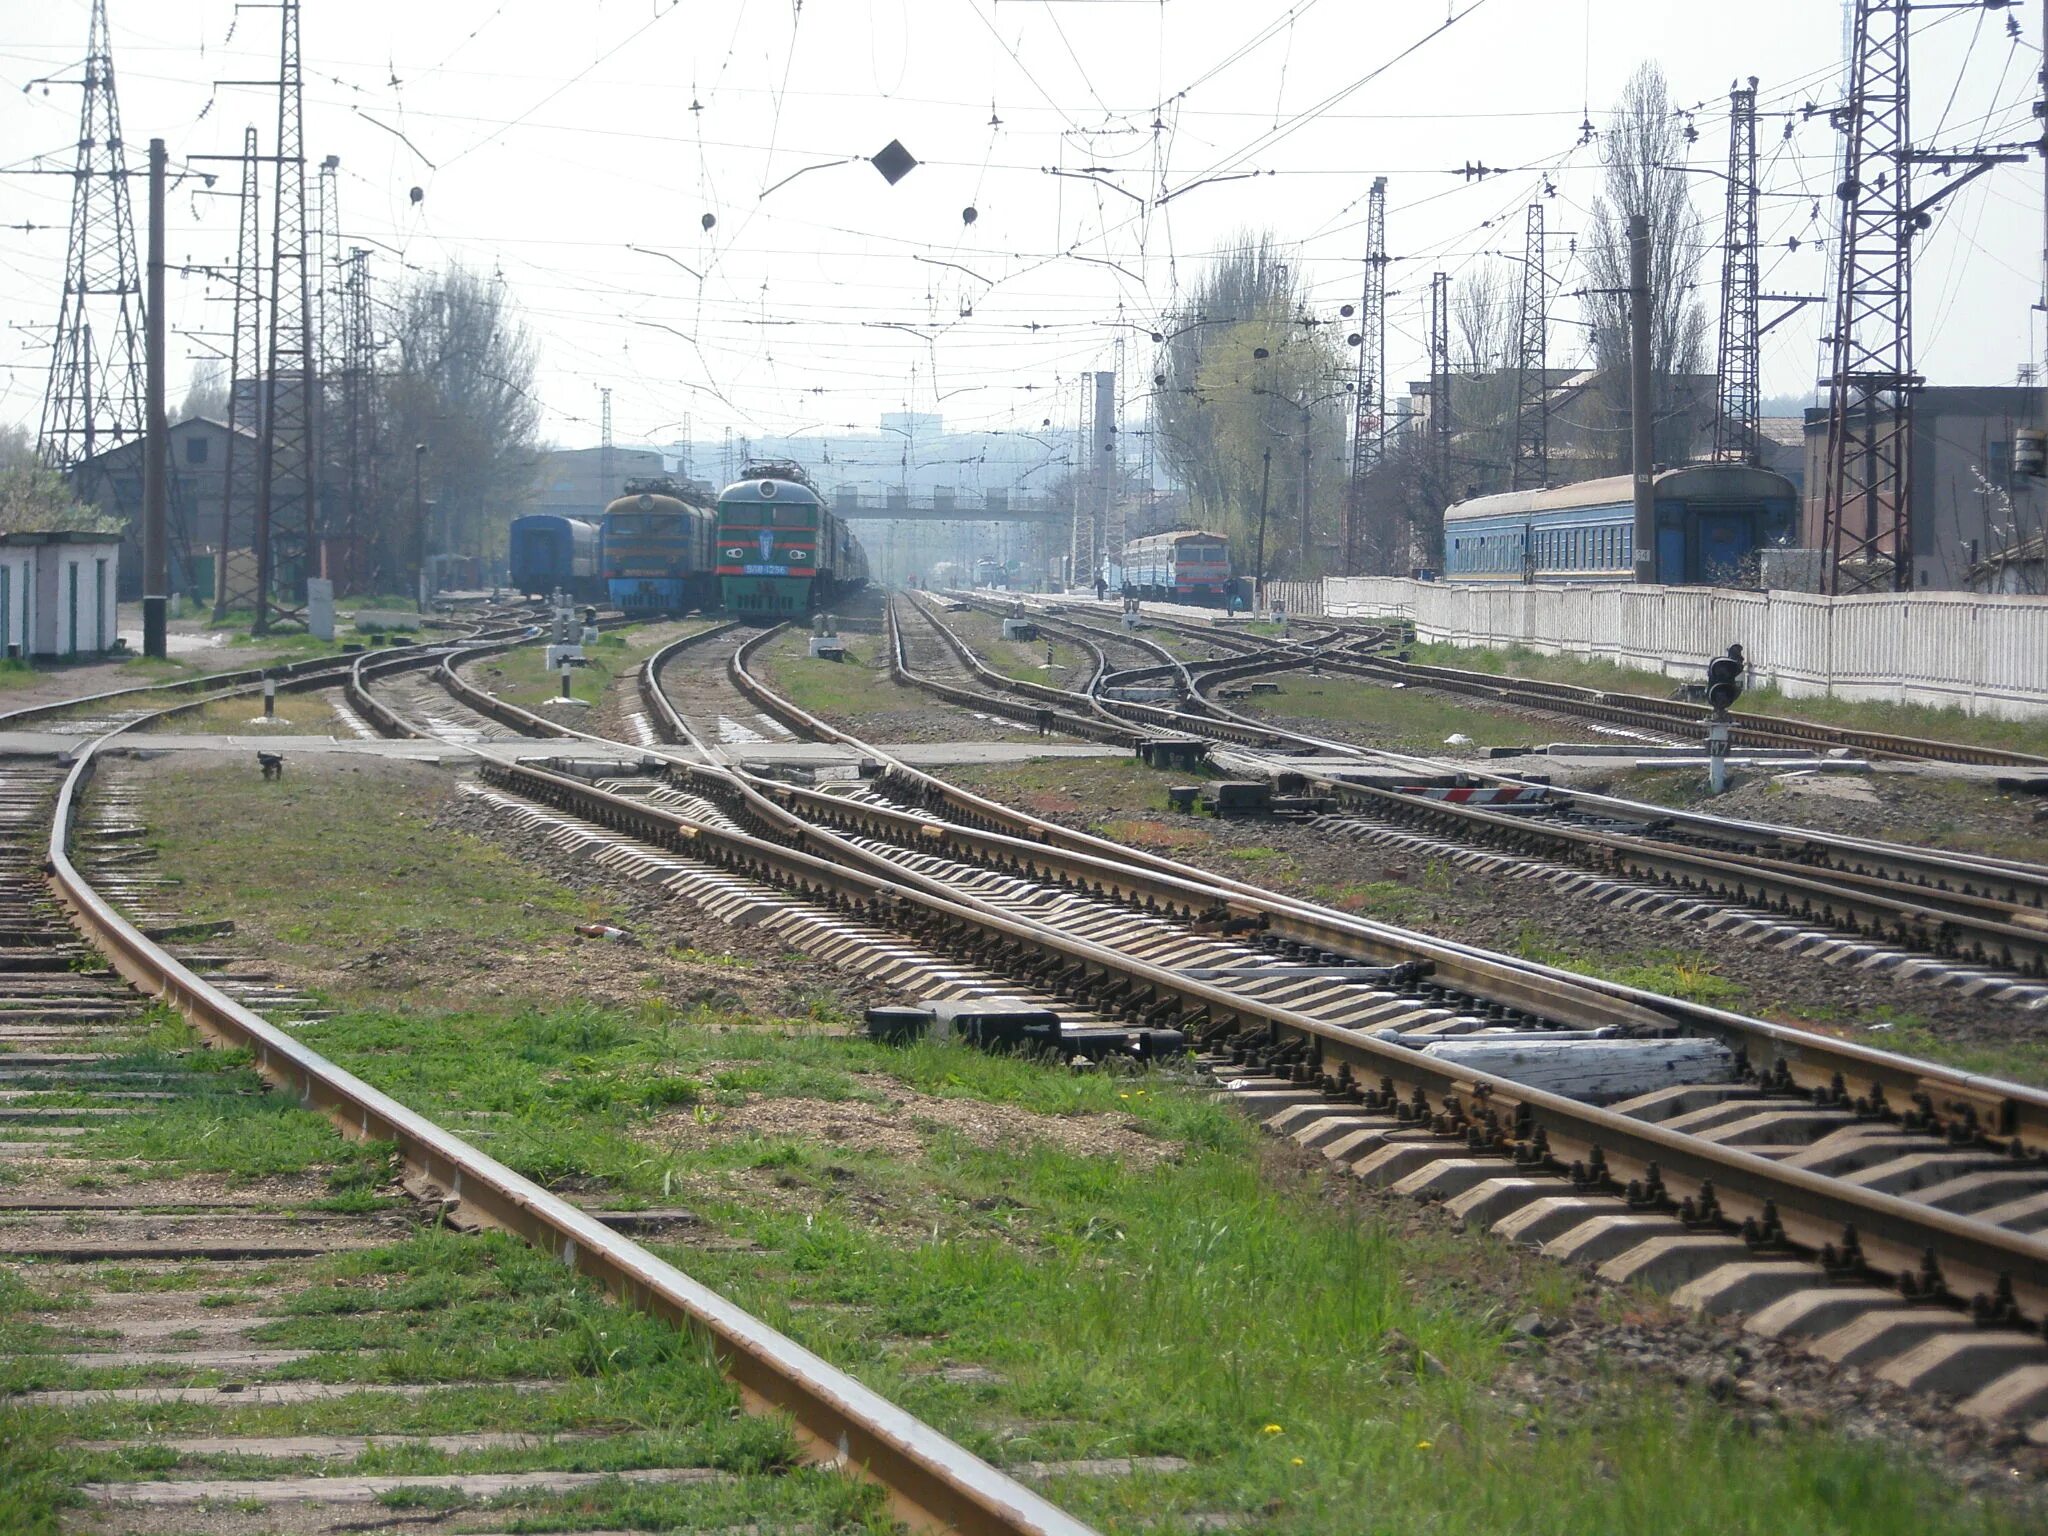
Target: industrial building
572,482
1967,506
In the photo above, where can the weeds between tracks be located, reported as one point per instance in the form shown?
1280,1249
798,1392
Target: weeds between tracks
1047,1265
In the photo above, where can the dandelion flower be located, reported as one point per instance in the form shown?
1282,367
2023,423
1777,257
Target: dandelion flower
1270,1429
1422,1445
1297,1462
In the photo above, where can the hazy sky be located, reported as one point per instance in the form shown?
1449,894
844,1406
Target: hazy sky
550,137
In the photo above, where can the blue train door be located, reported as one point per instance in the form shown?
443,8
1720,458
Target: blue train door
1724,540
1671,564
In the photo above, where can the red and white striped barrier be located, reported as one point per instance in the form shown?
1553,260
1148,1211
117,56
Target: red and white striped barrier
1500,794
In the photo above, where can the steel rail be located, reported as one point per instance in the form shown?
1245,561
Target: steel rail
931,1482
1812,1061
1055,702
1813,1211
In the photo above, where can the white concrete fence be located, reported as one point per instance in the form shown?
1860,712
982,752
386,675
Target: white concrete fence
1985,655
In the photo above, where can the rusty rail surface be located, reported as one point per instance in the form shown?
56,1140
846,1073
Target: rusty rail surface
1814,1212
931,1482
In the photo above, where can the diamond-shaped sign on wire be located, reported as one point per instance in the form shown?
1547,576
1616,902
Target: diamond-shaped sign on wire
894,162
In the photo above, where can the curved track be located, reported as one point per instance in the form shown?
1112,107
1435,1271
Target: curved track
932,1482
1889,1208
1981,911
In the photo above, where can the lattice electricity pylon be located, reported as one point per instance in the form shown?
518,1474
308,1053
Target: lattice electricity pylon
288,507
1532,360
234,581
1866,511
359,420
1737,429
94,398
327,274
1441,429
1369,409
604,446
1115,527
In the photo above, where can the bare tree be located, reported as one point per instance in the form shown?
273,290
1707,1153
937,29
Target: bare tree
463,385
207,393
1644,152
1486,312
1484,308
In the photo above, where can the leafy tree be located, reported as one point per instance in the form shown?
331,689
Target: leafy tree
206,394
35,498
1247,380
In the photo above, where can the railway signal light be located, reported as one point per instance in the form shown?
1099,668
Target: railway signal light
1724,679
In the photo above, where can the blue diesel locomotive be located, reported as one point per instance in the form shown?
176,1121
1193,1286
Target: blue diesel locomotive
1711,521
550,554
657,549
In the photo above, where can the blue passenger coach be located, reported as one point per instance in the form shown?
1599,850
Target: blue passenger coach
550,553
1711,521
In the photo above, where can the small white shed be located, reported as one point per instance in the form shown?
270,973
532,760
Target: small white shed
57,593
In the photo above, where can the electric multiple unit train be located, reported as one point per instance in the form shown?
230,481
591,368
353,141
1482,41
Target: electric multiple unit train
1185,566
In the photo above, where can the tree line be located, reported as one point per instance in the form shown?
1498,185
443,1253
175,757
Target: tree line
1253,389
455,371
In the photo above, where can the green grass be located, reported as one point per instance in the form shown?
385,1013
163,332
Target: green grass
1104,787
1389,717
126,671
1685,974
1023,660
1894,719
1181,1288
1070,1277
440,1308
838,690
350,865
521,676
302,714
1969,815
1385,901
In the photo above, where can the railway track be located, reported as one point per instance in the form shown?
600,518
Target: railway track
1887,1209
1679,719
929,1481
1666,717
1883,906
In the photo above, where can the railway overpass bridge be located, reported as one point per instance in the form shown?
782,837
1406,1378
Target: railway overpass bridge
994,507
